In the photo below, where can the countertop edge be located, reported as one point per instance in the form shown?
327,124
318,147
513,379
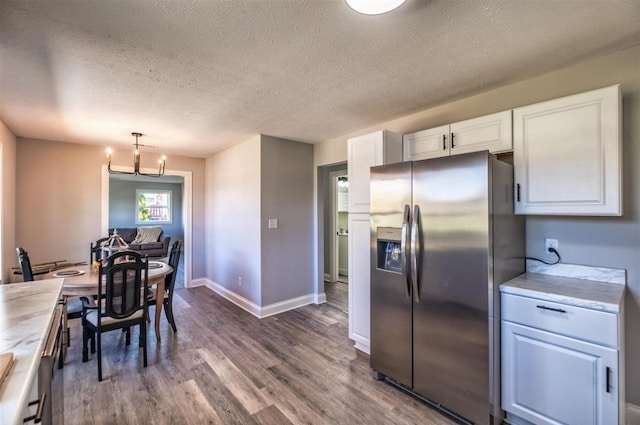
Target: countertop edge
541,286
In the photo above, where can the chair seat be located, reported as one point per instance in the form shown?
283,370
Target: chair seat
152,294
74,307
92,317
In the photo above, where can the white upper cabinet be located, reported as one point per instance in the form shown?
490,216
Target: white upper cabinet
364,152
489,132
567,155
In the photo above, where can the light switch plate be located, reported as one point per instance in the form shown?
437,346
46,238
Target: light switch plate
273,223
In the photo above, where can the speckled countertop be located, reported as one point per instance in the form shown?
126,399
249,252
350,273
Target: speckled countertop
604,296
26,312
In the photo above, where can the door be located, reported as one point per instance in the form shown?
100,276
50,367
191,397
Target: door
551,379
425,144
567,155
450,320
391,346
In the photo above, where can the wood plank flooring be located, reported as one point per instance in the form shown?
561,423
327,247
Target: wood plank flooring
224,366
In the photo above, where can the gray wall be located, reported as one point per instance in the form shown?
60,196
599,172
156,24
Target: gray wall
287,195
247,184
122,205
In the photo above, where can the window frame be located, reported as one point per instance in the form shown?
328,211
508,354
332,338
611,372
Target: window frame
154,193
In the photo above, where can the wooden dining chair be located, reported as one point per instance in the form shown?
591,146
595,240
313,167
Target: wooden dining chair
122,291
25,265
95,250
169,284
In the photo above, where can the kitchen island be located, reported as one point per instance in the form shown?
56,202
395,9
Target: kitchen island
26,314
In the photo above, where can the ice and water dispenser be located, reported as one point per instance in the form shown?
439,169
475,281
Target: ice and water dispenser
389,248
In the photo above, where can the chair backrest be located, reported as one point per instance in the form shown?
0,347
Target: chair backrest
174,261
123,285
95,253
25,265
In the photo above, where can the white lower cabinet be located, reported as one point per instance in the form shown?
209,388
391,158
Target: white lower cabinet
359,281
556,366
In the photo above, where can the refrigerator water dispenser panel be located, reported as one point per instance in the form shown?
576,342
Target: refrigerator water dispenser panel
389,249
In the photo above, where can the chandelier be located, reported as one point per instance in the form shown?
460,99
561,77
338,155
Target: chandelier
136,162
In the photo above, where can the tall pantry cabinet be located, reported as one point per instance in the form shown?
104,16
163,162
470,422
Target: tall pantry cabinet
364,152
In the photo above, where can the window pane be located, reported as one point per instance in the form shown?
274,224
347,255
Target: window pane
153,206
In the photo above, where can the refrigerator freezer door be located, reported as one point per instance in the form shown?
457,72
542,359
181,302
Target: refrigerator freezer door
451,320
390,297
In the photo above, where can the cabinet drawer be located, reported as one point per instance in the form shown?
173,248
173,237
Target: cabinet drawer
590,325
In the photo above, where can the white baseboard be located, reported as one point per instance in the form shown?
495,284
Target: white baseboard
343,272
633,414
327,277
319,298
253,308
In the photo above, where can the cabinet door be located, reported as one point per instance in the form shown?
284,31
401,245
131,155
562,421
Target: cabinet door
364,152
359,282
490,132
425,144
551,379
567,155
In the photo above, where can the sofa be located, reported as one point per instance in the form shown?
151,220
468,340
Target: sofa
155,248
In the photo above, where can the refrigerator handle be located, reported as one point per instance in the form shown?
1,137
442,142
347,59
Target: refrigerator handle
415,247
404,247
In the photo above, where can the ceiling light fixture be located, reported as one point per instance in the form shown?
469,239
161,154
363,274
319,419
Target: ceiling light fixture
136,161
374,7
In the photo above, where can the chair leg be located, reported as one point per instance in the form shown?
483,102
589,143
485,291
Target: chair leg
85,343
128,337
99,357
168,311
143,335
92,336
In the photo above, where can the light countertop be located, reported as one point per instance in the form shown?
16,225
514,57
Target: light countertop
26,312
597,295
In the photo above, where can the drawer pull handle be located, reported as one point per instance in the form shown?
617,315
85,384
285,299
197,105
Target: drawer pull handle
544,307
608,379
37,418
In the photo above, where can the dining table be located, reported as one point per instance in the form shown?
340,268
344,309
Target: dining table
82,280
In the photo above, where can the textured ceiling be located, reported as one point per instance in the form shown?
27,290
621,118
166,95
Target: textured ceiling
199,76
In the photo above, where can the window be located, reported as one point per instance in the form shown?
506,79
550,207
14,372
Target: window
153,206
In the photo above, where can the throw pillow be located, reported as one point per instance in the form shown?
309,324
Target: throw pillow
147,234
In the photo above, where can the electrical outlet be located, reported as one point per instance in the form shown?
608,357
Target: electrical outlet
239,280
550,243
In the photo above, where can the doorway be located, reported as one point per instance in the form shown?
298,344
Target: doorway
336,236
187,204
341,229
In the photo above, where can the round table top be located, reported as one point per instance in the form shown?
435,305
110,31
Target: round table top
87,280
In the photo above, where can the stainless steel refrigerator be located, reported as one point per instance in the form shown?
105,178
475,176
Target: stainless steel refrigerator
443,238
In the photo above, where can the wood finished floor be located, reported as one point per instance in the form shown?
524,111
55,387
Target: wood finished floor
224,366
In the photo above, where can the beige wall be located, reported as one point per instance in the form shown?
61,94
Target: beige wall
8,198
58,200
600,241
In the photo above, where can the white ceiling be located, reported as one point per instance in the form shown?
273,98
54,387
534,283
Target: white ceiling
198,76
